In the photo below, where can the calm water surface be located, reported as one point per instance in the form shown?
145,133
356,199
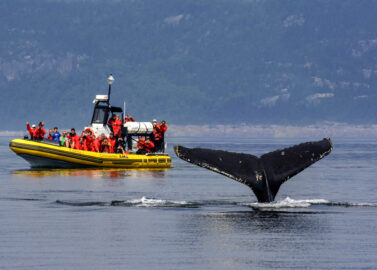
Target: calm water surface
188,217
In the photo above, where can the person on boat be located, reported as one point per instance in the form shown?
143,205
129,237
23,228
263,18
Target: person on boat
115,124
39,132
163,129
87,141
73,138
63,138
96,145
159,134
69,142
105,146
89,138
80,145
128,118
49,137
119,146
31,130
56,135
145,146
140,142
112,140
155,132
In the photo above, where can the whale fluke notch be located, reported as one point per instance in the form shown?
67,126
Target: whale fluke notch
263,175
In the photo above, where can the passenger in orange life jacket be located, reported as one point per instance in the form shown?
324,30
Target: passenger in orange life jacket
129,118
96,145
115,124
39,132
105,146
159,135
89,138
140,142
112,140
73,138
84,141
80,145
145,146
31,130
50,135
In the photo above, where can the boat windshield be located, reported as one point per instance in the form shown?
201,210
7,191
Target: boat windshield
100,115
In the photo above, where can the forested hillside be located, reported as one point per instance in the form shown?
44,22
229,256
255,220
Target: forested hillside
189,62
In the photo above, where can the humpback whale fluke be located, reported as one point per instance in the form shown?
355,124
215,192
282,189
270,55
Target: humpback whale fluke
264,175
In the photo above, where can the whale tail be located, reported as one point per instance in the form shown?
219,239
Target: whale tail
264,175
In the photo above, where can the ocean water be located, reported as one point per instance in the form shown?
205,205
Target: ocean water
188,217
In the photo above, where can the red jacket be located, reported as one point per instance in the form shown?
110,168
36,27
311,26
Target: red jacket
148,146
75,140
78,145
88,143
105,147
116,124
162,128
31,130
142,144
96,145
158,131
112,143
129,119
39,133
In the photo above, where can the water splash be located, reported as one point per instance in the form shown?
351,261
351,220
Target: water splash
149,202
286,203
292,203
160,203
142,202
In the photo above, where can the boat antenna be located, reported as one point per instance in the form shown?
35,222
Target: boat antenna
110,81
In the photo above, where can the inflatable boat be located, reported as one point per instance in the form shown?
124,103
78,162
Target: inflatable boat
50,154
47,154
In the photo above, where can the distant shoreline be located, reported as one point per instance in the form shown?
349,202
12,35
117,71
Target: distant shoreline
260,131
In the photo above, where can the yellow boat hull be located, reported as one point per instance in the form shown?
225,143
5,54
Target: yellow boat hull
45,155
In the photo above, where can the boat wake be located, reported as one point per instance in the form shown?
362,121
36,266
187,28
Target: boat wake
286,203
142,202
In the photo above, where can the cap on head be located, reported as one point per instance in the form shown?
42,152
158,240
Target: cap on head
154,120
33,126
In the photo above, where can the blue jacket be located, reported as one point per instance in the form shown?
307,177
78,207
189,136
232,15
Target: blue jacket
56,136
